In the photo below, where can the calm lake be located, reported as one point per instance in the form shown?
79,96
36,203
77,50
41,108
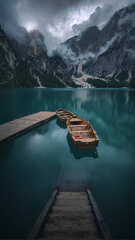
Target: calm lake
33,164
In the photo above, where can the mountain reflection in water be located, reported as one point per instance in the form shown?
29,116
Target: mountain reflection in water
33,164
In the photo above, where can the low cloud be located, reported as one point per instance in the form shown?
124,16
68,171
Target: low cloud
58,20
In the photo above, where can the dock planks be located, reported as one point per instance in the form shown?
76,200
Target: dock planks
20,125
71,216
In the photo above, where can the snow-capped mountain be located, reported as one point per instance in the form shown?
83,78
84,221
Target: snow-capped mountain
95,58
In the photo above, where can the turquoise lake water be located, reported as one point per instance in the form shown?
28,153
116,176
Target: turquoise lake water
33,164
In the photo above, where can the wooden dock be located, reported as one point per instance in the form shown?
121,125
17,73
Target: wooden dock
68,216
17,127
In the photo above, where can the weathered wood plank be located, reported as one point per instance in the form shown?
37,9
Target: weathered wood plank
41,219
19,126
99,219
71,217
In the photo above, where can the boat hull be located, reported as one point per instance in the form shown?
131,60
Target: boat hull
64,115
82,133
90,145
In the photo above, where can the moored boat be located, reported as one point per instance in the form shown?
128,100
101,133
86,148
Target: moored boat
82,132
64,115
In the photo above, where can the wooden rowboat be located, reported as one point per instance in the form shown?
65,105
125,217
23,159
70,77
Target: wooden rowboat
64,115
82,133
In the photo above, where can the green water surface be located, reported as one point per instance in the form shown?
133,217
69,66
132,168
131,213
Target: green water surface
32,165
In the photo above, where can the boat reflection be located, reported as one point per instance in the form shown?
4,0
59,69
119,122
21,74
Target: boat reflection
81,153
61,124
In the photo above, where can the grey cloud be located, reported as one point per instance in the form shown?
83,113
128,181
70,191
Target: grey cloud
102,14
55,18
7,11
50,9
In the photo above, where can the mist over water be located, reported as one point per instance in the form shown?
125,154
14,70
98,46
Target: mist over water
32,165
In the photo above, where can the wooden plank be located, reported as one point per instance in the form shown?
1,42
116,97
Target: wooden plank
80,237
21,125
99,219
41,219
71,217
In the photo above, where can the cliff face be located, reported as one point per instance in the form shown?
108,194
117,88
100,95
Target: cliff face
117,58
8,61
25,63
108,54
95,58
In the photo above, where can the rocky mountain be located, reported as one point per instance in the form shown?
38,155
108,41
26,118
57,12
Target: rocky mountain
7,61
95,58
106,57
25,63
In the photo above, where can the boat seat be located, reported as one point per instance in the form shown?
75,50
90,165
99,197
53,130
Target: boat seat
77,137
65,114
80,131
88,139
81,125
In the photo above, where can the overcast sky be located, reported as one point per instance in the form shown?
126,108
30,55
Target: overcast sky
57,19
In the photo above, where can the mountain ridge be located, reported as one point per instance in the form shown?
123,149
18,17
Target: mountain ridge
95,58
111,54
